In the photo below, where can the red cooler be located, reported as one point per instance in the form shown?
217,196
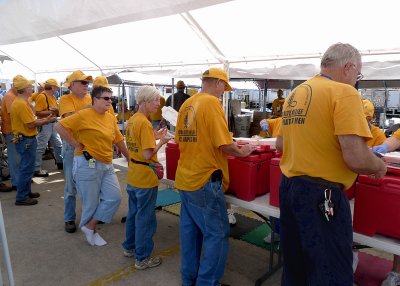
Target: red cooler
172,156
275,175
377,205
249,176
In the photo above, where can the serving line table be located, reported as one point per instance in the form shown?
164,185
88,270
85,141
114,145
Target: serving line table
260,205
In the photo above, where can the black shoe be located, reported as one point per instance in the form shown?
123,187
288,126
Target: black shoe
27,202
123,219
4,188
41,173
14,188
6,177
60,166
34,195
70,226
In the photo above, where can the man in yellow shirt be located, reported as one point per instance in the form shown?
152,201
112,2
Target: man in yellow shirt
12,154
127,113
24,129
270,127
277,104
201,178
78,99
378,136
45,105
322,138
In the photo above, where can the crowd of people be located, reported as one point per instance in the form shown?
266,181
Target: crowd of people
323,131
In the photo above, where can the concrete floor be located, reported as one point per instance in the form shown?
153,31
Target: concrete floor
42,253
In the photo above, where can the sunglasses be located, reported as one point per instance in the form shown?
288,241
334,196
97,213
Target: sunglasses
83,82
106,98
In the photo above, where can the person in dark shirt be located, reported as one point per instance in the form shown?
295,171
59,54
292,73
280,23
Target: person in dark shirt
179,97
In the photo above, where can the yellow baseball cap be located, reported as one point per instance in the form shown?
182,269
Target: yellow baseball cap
369,109
101,81
77,76
218,74
52,81
20,82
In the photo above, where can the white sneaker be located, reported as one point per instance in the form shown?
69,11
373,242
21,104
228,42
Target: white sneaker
268,238
392,279
231,217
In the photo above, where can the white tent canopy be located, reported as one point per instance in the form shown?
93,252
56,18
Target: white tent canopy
181,38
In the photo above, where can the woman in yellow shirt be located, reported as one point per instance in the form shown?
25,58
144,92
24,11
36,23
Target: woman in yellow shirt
142,180
93,131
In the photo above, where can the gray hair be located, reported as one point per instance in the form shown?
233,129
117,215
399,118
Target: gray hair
147,93
340,54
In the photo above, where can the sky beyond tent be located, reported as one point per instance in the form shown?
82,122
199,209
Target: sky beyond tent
181,38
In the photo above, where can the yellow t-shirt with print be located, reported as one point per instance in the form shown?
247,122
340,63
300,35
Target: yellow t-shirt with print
21,115
314,115
70,103
201,129
139,137
274,126
42,104
378,137
97,132
277,106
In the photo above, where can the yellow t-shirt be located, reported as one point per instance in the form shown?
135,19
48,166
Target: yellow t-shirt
140,136
277,106
41,104
314,114
274,126
33,97
97,132
396,134
70,103
200,131
158,114
378,137
127,115
21,115
6,103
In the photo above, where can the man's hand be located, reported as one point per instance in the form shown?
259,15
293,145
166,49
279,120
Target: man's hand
384,148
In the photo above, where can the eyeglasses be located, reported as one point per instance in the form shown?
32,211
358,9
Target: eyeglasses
83,82
360,76
106,98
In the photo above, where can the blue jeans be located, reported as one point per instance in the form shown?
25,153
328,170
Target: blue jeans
315,251
98,189
141,223
204,225
69,187
26,148
48,133
13,159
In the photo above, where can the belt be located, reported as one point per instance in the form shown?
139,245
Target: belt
216,176
33,136
321,181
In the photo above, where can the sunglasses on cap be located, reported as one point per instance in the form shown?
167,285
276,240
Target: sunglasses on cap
83,82
106,98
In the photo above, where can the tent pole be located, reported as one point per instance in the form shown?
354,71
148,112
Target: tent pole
264,110
79,52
